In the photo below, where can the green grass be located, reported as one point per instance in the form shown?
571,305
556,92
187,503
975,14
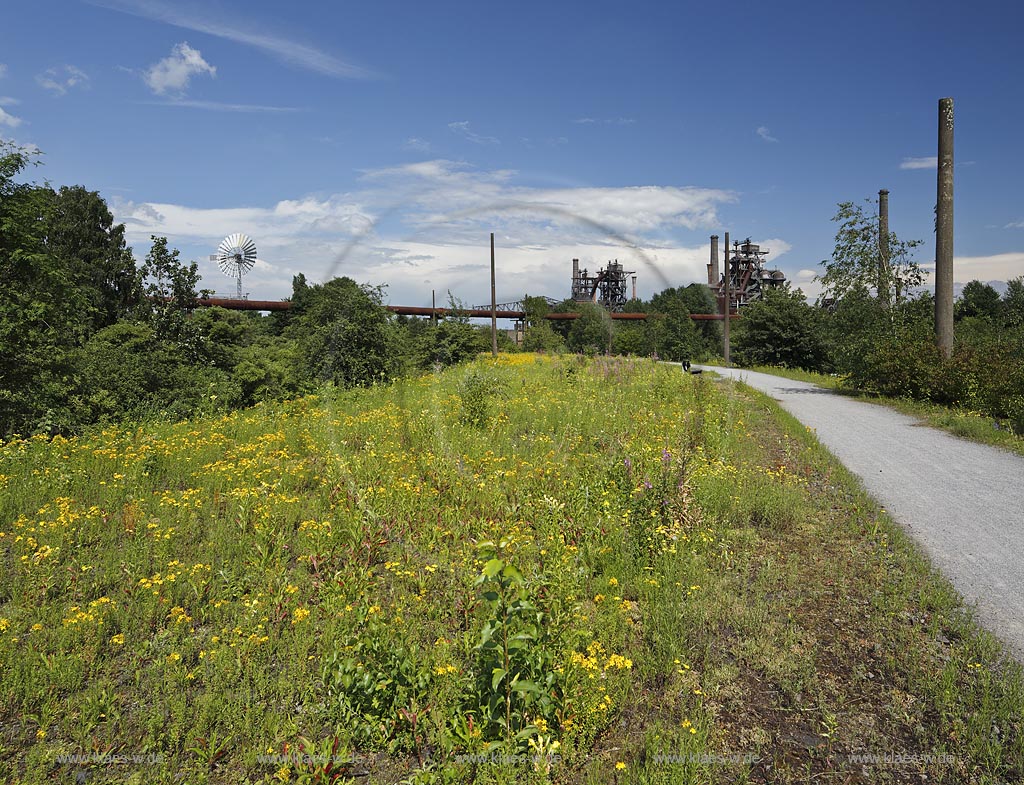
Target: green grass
534,569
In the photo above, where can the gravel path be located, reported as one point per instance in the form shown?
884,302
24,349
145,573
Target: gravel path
962,502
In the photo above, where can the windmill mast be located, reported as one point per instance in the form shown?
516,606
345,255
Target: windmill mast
238,262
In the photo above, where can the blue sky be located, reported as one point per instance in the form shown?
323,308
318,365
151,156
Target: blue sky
385,140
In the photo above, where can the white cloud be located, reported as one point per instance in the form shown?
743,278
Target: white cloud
775,246
929,162
449,197
3,70
275,225
173,73
28,148
462,129
997,267
1000,267
417,144
439,170
1015,224
62,78
604,120
765,134
291,52
424,225
411,268
217,106
9,120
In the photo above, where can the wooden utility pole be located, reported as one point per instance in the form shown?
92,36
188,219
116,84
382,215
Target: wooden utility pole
725,304
494,307
944,232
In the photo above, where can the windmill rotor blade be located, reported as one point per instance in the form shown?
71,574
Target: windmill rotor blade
236,255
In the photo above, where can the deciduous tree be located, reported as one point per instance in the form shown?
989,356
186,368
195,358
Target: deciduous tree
855,259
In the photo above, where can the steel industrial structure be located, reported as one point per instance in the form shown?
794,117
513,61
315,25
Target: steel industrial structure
745,277
410,310
515,305
608,287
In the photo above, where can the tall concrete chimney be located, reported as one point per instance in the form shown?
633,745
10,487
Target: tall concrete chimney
634,287
944,232
713,274
883,247
726,305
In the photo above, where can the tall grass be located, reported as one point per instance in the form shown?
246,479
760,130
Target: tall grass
485,574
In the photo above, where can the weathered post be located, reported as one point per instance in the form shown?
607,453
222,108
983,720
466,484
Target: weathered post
494,307
433,308
726,306
883,247
944,232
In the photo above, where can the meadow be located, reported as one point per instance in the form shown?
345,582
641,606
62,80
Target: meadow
527,569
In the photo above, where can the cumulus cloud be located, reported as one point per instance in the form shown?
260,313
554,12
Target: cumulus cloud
928,162
765,134
62,78
424,225
173,74
462,129
775,246
9,120
1002,266
334,215
453,198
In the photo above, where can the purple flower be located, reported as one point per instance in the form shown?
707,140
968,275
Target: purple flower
665,456
628,463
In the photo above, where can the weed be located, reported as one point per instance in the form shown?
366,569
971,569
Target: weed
516,686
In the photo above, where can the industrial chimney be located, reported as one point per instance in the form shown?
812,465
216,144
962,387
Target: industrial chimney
883,247
944,231
713,273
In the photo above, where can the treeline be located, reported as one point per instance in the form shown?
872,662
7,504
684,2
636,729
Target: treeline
875,326
88,335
